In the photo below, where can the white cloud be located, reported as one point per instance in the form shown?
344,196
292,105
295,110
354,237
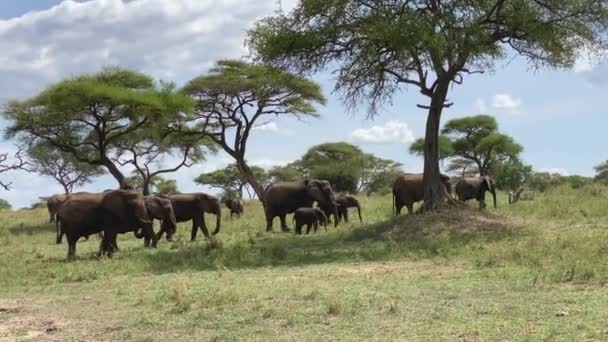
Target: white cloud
268,127
505,101
390,132
557,170
175,39
269,163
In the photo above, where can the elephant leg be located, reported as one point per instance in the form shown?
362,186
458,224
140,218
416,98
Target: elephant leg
59,236
71,247
398,207
410,208
298,229
308,227
111,244
269,223
284,227
315,226
203,227
345,213
194,229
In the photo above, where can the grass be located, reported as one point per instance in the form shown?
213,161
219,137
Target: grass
533,271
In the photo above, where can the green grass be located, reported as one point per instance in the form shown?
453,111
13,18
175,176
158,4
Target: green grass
533,271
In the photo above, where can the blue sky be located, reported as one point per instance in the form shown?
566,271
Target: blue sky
558,116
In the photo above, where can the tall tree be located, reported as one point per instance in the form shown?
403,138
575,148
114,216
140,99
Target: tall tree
88,115
61,166
475,139
167,186
237,97
376,46
8,164
230,179
284,173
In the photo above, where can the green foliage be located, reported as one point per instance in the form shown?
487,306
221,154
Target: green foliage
88,116
285,173
446,150
235,96
4,204
602,172
374,49
512,174
231,181
167,186
473,143
378,175
339,163
61,166
541,181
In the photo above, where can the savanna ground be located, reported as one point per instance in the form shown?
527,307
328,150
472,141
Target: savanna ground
533,271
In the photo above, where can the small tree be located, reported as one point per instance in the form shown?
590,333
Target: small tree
167,186
4,204
231,181
512,175
61,166
339,163
377,174
236,97
284,173
462,167
6,165
602,172
375,47
475,139
88,116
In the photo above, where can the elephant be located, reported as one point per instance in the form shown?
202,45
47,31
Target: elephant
311,217
113,212
282,198
344,202
192,206
409,189
53,204
160,208
476,187
235,206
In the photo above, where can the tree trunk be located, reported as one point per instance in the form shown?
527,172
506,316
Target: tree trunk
115,172
434,191
248,176
146,186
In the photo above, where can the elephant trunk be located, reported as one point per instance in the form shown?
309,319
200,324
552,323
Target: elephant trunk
494,196
217,220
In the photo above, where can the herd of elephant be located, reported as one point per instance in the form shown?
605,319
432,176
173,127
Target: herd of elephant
114,212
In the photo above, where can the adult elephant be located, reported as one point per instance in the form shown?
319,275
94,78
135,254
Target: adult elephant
409,189
160,208
192,206
476,187
282,198
113,212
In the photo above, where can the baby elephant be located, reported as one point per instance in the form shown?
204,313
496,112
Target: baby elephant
311,217
235,206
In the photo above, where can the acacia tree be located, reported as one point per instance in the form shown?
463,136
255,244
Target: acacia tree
237,97
340,163
377,46
378,174
474,139
88,115
61,166
231,181
17,163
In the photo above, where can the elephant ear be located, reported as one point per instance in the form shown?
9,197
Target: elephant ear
116,203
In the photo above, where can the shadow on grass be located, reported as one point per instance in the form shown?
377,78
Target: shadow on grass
31,229
440,234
